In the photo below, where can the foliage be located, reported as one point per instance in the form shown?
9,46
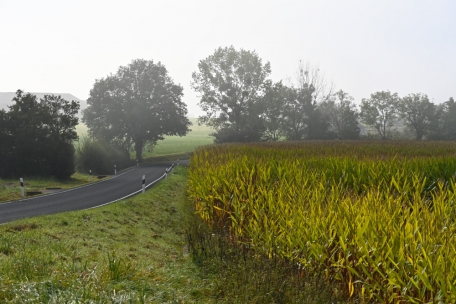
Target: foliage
274,102
232,84
100,156
380,112
6,140
342,115
419,114
302,117
38,136
375,218
138,105
448,120
312,76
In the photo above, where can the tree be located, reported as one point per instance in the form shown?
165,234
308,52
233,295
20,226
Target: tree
302,117
40,135
294,122
342,115
6,143
137,105
418,113
380,112
274,102
232,85
311,76
448,120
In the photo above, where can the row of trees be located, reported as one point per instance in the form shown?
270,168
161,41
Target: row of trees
243,105
384,111
140,104
37,136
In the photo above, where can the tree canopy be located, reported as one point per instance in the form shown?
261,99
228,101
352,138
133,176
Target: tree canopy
37,136
448,120
380,112
137,105
232,85
342,115
418,114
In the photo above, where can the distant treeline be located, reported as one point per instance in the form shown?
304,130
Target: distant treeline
243,105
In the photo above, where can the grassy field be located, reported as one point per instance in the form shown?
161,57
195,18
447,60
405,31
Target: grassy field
132,251
173,145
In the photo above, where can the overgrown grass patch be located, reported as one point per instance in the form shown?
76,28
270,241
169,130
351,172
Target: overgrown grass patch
128,252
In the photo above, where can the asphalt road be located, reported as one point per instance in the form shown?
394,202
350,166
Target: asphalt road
85,197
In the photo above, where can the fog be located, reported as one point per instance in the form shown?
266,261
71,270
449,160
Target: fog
362,46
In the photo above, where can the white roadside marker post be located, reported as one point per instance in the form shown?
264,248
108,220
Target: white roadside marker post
90,171
137,163
166,173
22,187
143,184
115,170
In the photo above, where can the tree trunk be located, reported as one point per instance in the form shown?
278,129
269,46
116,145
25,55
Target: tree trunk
419,134
139,143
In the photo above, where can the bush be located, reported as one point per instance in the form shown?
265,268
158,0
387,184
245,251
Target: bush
100,156
60,160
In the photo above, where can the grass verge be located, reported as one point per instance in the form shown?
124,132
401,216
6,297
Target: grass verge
132,251
10,189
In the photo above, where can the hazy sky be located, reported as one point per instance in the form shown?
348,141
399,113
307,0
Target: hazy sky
362,46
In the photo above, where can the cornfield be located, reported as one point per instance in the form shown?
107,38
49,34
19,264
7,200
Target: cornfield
377,218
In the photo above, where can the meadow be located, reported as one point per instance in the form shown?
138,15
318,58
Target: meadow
172,145
371,221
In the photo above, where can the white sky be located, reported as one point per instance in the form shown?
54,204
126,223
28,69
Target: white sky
364,46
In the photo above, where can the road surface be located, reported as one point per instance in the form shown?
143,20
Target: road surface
85,197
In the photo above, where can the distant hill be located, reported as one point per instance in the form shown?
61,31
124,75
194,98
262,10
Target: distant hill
7,97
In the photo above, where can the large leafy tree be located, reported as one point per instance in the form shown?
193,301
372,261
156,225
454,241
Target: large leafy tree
342,114
418,114
232,85
39,135
274,103
448,120
138,105
302,115
380,111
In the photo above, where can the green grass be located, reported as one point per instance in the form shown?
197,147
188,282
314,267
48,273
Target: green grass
172,145
132,251
198,136
10,189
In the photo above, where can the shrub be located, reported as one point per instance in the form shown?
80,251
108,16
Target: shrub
100,156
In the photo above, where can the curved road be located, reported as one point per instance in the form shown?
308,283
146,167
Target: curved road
85,197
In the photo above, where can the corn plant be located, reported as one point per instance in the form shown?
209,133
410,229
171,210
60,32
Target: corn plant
376,217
